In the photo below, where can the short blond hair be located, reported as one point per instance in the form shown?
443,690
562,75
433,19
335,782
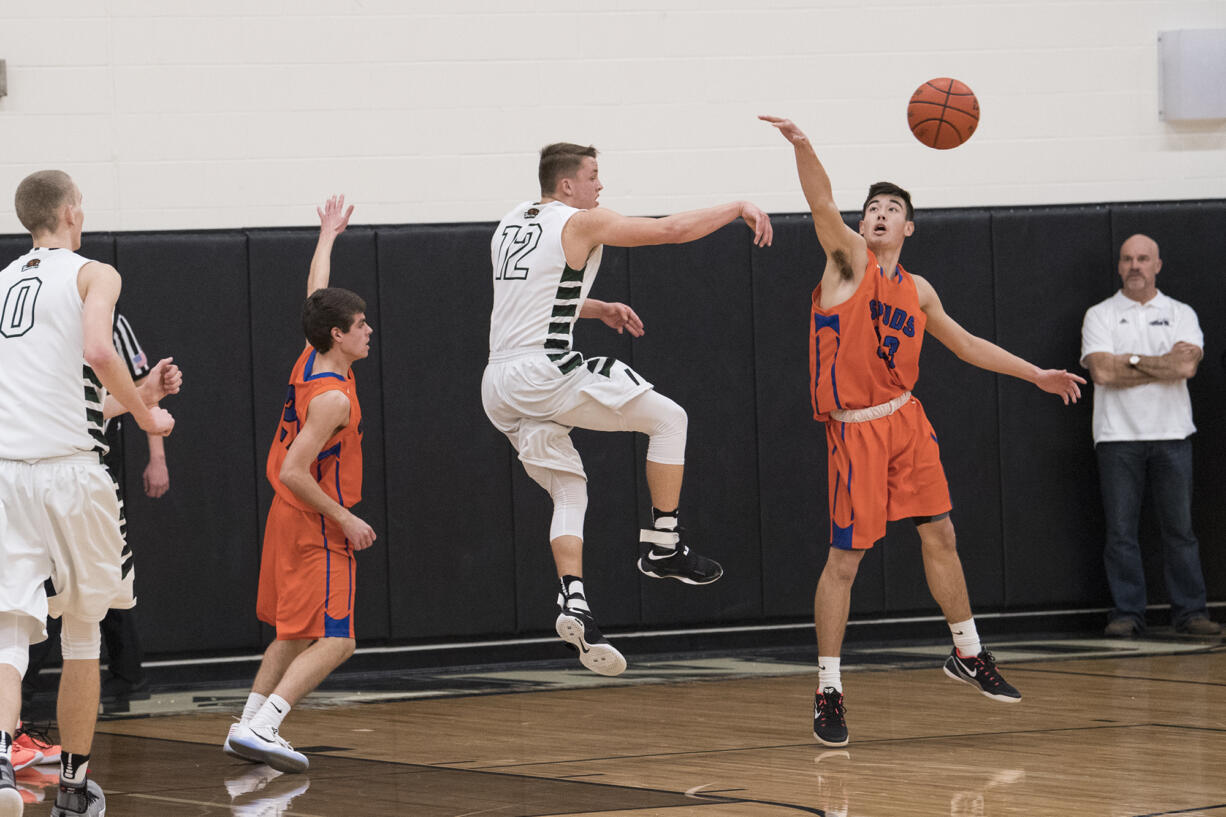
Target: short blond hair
40,197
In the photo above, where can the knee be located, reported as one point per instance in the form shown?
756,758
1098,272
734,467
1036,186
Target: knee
938,538
569,494
80,638
344,648
842,566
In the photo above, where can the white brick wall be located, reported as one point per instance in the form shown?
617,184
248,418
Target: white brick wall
248,112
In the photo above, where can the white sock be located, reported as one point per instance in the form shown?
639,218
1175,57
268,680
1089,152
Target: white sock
828,673
966,638
254,701
271,713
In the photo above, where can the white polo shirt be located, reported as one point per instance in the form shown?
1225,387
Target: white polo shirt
1160,410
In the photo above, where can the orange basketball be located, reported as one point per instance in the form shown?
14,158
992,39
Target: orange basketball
943,113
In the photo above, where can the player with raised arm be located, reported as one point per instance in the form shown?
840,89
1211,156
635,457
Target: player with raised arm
315,466
545,256
866,327
59,513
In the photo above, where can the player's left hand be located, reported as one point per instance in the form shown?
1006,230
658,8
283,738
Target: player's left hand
156,478
622,318
1060,383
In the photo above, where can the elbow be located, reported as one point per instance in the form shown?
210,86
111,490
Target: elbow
288,476
99,354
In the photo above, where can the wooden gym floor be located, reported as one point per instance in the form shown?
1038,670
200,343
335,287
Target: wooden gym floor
1110,728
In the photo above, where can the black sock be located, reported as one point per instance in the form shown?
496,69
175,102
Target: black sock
73,769
572,589
664,520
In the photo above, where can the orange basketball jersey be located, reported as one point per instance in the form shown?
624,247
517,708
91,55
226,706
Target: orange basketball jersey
338,467
865,351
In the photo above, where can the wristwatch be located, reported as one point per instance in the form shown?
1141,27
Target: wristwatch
1133,360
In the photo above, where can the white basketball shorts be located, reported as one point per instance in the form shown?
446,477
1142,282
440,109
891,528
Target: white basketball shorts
523,393
59,520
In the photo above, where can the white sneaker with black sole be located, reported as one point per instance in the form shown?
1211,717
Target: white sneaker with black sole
264,745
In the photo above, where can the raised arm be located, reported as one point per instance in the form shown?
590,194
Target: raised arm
987,355
836,238
588,229
333,219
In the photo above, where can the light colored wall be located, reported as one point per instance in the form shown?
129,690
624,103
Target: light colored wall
248,112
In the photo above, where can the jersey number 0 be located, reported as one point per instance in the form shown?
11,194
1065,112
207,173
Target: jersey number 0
17,316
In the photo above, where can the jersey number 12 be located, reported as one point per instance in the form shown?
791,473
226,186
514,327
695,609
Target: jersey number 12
517,243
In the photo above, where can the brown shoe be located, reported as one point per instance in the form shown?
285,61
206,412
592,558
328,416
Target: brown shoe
1122,628
1200,625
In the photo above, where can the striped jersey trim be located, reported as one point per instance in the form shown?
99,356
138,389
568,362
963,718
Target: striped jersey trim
92,389
566,305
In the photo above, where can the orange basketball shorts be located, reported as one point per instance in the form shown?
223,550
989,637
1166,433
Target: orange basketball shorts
879,470
306,575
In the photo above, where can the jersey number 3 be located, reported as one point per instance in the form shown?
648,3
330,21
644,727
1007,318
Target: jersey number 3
17,316
517,243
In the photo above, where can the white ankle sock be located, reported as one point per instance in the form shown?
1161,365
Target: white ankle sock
254,701
828,673
271,713
966,638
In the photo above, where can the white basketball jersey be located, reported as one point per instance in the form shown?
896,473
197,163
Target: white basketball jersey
537,296
50,400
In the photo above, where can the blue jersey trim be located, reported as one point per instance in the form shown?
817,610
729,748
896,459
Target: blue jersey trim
310,367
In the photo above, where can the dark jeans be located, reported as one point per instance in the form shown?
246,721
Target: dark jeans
1124,469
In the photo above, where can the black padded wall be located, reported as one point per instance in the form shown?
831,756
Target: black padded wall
696,302
450,522
197,551
1050,264
795,528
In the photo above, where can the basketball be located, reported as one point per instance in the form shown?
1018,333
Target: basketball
943,113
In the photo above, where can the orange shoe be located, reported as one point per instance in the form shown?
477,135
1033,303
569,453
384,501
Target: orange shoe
37,740
23,757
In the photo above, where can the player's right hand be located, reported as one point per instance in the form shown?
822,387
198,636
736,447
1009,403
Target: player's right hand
787,127
760,223
359,534
334,218
159,423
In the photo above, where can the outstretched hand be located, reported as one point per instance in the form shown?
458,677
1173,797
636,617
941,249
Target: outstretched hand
334,218
1060,383
622,318
760,223
787,127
